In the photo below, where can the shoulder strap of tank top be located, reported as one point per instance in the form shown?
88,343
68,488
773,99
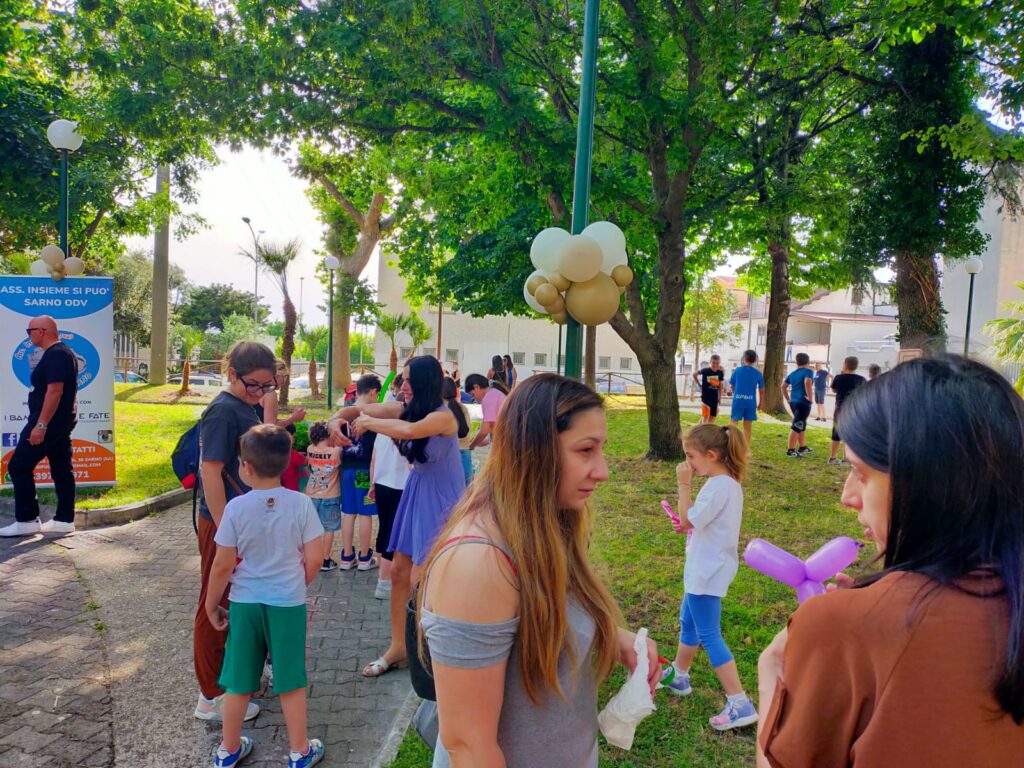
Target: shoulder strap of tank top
457,540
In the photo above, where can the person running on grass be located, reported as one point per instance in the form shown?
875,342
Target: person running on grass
796,389
711,380
843,385
747,385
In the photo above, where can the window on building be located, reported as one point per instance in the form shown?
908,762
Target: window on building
518,358
540,358
451,355
561,361
760,334
403,354
604,361
625,363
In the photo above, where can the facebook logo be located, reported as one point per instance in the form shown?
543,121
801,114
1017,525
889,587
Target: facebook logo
10,439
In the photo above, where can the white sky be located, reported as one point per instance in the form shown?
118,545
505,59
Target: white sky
256,184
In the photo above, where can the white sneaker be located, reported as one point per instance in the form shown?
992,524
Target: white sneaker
56,526
382,590
211,709
21,529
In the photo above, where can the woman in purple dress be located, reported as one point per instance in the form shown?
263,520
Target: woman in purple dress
427,433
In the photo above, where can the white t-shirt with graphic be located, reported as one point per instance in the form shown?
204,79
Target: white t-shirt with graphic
268,529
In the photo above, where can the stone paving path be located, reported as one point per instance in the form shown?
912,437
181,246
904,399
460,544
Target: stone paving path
96,656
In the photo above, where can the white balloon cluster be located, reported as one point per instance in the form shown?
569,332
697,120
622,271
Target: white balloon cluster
51,262
580,275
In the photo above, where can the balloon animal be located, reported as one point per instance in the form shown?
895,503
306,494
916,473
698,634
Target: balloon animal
806,577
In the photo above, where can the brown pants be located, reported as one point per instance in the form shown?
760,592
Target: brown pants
207,642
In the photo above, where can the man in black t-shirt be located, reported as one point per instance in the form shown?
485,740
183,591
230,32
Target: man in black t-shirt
843,385
711,382
47,434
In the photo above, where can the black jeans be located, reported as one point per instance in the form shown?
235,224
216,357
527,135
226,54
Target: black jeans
56,447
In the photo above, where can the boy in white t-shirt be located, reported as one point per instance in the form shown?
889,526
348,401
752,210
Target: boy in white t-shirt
269,545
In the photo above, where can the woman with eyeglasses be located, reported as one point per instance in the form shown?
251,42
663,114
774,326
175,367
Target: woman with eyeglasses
231,413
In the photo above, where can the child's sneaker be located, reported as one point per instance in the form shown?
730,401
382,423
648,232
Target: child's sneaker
210,709
369,563
734,716
329,564
314,754
675,681
225,759
793,453
835,461
347,562
383,589
805,449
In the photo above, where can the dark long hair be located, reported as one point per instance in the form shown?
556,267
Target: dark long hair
425,377
950,434
450,394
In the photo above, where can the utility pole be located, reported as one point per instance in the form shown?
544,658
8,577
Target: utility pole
581,182
161,271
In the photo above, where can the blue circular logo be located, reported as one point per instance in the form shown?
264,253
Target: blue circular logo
27,356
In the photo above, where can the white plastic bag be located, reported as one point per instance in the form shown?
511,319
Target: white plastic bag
619,718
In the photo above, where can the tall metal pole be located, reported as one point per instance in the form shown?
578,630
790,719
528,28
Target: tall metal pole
62,211
161,272
970,307
330,338
581,183
302,283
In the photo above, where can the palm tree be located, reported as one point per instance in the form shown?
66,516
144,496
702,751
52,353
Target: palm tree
311,338
1008,336
418,332
390,325
274,259
186,339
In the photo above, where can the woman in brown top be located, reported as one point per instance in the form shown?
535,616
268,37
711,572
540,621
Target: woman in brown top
922,663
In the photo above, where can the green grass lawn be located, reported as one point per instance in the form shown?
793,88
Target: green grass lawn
792,503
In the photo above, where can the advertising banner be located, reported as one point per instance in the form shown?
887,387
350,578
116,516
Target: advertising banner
84,310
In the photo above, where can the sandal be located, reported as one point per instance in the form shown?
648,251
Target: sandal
369,563
380,666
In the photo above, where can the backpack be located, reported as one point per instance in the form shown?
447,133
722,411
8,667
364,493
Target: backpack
185,463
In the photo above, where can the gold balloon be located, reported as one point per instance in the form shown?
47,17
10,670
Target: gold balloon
52,255
593,302
557,307
534,281
622,275
622,289
561,318
558,280
58,276
546,295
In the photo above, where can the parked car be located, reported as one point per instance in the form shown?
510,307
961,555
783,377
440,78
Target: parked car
302,382
133,378
198,380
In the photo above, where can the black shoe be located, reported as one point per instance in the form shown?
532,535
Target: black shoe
329,565
794,454
805,449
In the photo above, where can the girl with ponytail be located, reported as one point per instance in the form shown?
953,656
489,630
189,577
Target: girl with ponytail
712,559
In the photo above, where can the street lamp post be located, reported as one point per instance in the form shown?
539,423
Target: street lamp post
302,282
332,263
63,136
256,264
973,266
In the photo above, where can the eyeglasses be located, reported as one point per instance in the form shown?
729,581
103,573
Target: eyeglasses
252,387
30,331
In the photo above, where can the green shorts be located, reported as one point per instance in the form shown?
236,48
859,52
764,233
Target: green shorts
256,630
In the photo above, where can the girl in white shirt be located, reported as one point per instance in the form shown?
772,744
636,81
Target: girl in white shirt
712,559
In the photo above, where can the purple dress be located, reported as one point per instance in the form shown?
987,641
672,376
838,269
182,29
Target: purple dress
431,491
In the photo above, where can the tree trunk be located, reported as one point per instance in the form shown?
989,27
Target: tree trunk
779,233
662,410
921,316
287,345
393,360
590,357
342,368
186,370
314,388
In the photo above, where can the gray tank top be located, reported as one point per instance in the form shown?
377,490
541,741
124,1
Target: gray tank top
553,731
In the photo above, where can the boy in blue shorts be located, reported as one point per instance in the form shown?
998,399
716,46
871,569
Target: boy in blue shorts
796,390
747,386
269,547
356,503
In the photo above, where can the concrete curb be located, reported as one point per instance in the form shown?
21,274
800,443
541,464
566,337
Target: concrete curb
396,735
95,518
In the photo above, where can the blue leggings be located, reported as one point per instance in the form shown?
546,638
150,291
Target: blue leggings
700,619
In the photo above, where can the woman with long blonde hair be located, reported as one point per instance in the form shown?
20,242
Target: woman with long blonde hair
520,628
